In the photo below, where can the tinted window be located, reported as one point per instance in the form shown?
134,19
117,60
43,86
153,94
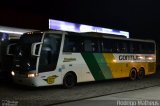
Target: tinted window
110,46
134,47
98,45
73,43
92,45
107,45
141,47
147,48
123,46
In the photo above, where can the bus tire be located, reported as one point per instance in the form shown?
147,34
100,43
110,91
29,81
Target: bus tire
69,80
141,73
133,74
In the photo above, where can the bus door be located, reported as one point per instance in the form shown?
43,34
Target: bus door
49,56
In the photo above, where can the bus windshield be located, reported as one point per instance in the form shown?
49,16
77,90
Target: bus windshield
49,52
24,61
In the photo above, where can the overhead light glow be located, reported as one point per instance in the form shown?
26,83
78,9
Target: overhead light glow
86,28
68,26
14,32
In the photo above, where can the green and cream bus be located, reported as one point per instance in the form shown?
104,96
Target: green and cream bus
66,58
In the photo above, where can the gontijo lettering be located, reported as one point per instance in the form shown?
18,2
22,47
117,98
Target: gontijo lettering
128,57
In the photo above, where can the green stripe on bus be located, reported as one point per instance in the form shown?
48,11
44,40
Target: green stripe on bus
93,66
103,65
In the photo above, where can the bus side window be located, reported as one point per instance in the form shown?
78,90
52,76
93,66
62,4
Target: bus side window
135,47
107,46
151,48
96,45
148,48
123,46
115,48
87,45
69,45
72,44
92,45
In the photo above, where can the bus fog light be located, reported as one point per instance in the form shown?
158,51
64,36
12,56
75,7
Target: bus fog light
13,73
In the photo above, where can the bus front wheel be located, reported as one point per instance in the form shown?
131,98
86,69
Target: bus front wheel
133,74
69,80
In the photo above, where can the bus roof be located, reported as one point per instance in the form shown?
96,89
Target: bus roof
94,34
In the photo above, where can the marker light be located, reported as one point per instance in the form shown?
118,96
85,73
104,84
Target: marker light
13,73
68,26
114,61
140,57
150,58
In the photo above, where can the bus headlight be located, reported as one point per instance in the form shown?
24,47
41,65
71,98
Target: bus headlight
31,75
13,73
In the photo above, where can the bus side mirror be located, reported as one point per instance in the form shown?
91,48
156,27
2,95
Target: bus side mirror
35,49
10,49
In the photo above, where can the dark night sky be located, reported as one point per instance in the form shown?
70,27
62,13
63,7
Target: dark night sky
140,17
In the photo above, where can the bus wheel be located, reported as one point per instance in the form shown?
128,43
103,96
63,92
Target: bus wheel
69,80
141,74
133,74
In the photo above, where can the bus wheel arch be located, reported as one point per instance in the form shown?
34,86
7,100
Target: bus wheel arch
141,73
69,79
133,74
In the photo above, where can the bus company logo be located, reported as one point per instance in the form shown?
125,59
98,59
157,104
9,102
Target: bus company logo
9,103
135,57
128,57
51,79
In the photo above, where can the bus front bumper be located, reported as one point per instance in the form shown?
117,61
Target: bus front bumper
26,81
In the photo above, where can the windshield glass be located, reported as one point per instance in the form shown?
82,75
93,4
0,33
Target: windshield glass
49,52
23,59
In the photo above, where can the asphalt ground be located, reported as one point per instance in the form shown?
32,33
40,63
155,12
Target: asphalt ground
142,97
46,96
